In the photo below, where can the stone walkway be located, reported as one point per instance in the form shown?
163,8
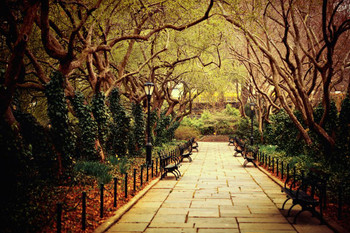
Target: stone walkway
215,195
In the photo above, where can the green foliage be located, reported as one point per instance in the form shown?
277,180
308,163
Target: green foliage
243,129
88,128
58,113
282,132
195,122
121,125
186,132
161,129
343,134
271,150
165,129
122,164
98,170
219,122
37,138
231,111
138,134
170,133
153,120
99,110
332,118
22,179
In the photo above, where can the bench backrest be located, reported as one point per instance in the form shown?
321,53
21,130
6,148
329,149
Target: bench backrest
313,183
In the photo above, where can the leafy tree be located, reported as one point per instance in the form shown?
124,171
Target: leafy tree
278,39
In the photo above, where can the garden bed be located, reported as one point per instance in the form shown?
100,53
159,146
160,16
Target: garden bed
71,199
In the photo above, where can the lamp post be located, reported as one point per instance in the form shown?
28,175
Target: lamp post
149,87
252,105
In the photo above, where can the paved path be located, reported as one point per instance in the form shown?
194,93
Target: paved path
215,195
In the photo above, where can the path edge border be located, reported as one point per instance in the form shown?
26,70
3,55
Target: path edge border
122,210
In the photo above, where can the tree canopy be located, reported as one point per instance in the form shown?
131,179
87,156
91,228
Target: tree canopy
283,54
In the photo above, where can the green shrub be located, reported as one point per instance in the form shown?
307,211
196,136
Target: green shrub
232,111
243,130
271,150
122,164
282,132
186,132
98,170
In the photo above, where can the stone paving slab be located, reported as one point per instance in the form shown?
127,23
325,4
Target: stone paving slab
215,194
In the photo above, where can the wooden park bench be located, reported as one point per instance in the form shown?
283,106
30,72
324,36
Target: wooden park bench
239,147
307,191
231,141
186,150
169,163
250,156
194,145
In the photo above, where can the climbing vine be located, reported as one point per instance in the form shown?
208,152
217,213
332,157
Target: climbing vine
121,125
139,128
99,109
88,128
58,114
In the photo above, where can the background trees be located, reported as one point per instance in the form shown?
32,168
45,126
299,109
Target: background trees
295,48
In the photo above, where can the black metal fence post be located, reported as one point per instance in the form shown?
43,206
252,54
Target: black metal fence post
59,217
156,166
126,185
273,165
264,160
147,173
115,194
277,167
141,176
83,213
294,175
134,179
152,169
101,200
282,170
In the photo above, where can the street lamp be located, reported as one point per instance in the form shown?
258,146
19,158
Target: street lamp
252,105
149,87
